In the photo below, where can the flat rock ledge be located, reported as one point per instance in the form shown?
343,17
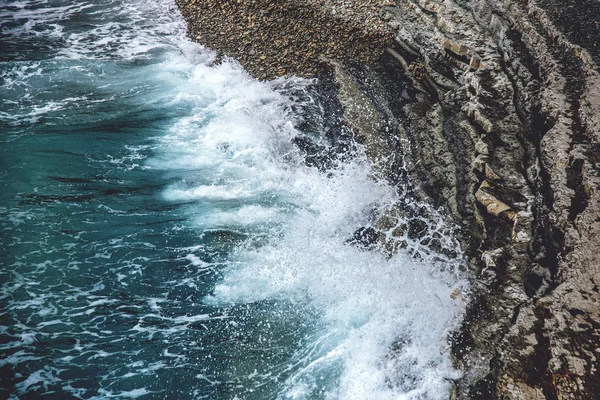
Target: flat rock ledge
493,111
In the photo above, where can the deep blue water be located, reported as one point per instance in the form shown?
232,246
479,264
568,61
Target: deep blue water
162,236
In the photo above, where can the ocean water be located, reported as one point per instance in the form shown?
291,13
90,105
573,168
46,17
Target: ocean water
163,237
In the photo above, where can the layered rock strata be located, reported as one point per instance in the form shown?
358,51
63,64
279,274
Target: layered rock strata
521,127
491,109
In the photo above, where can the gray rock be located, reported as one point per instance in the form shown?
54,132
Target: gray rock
532,97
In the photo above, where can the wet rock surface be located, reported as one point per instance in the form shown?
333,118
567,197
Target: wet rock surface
492,110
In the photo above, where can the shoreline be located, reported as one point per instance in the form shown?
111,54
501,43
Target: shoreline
494,115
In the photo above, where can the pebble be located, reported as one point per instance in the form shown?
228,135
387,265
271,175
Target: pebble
289,37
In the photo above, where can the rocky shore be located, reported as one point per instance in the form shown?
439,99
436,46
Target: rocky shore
493,111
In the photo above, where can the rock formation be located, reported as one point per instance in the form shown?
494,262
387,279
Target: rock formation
515,107
492,109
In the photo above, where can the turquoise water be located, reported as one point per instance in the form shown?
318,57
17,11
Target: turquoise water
163,237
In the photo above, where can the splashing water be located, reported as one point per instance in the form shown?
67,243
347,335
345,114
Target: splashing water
163,237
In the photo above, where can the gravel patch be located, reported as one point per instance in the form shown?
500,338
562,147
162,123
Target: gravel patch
289,37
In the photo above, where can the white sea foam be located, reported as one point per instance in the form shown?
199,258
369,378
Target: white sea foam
75,33
384,321
134,29
368,302
128,394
